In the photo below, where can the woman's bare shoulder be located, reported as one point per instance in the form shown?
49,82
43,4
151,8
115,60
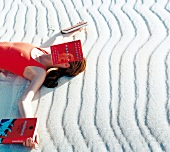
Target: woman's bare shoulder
31,72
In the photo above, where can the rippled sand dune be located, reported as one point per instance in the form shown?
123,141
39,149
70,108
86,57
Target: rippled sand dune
121,103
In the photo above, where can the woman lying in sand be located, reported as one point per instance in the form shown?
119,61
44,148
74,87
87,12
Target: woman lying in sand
35,64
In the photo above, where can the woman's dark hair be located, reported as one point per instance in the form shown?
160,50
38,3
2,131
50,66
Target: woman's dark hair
74,69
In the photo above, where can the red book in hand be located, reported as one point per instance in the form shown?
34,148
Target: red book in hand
66,52
15,131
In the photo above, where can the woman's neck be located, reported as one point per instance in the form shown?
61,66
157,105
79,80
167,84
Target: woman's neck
46,60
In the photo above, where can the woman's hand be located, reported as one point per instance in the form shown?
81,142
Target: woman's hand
32,142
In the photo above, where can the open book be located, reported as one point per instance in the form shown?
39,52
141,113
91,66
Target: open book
14,131
66,52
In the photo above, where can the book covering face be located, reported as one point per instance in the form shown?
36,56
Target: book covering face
66,52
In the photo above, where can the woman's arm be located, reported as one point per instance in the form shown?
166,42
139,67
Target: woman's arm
25,100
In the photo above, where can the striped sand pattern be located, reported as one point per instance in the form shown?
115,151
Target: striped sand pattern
121,103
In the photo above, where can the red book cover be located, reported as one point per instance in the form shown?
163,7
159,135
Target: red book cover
14,131
66,52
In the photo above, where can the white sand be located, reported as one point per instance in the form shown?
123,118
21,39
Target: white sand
121,102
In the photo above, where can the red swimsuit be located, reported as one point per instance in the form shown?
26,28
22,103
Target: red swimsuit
15,57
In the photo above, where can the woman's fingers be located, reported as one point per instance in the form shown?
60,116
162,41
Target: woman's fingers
32,142
25,143
29,143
